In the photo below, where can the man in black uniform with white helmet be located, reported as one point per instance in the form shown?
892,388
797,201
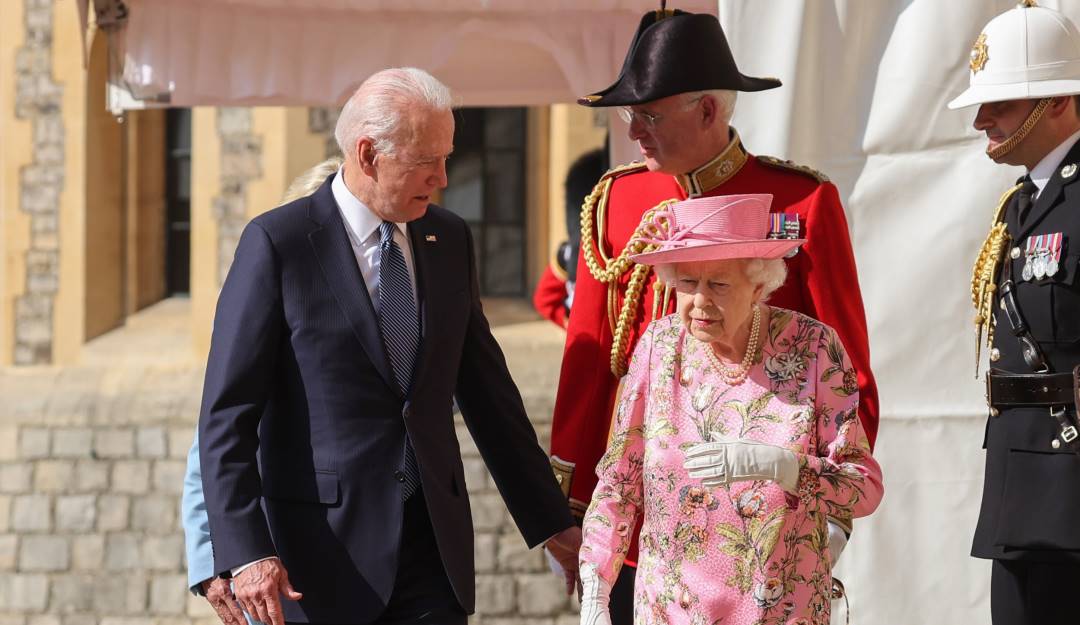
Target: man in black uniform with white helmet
1025,74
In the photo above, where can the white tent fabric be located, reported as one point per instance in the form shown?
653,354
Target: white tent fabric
316,52
865,88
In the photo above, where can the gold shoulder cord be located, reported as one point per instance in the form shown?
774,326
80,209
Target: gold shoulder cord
608,271
984,276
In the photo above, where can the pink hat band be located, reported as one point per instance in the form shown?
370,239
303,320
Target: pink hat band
711,228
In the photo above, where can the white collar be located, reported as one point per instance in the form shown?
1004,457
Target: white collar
360,221
1044,171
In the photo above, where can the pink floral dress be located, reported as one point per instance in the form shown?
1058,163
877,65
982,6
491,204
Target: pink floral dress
747,553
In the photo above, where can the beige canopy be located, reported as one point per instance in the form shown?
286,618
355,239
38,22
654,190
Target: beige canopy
315,52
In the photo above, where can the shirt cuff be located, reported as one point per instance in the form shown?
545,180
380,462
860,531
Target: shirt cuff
236,571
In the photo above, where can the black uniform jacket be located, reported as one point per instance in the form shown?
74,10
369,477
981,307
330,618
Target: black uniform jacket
298,379
1031,495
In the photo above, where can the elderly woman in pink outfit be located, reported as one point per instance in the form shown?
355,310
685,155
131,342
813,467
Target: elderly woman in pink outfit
735,438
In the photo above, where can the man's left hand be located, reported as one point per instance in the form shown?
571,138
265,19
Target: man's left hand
221,598
564,547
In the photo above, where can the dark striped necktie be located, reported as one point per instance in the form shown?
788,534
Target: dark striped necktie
400,328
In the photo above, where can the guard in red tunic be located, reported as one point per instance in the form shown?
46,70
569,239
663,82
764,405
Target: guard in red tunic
555,291
550,298
677,91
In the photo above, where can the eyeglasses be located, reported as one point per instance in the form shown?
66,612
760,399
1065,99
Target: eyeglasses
650,120
430,162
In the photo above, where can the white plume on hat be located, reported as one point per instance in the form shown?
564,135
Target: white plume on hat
1027,52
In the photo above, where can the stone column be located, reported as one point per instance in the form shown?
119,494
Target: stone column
39,156
243,159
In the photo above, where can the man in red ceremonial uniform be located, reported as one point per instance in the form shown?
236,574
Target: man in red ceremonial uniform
550,296
677,90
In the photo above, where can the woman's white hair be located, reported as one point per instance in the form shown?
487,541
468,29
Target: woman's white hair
770,273
375,109
306,183
725,99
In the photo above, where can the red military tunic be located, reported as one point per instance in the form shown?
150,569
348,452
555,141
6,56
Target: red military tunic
549,299
822,283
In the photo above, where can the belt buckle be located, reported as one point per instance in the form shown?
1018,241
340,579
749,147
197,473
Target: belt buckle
1068,432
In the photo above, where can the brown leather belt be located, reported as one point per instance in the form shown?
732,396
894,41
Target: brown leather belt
1029,389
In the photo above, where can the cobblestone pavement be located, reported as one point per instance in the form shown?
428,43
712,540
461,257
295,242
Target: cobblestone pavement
91,464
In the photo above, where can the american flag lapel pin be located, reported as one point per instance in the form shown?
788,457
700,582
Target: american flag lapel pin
430,238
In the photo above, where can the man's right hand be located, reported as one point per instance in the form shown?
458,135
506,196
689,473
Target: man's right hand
257,588
221,598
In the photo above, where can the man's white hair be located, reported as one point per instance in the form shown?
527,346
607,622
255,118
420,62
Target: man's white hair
376,108
770,273
725,99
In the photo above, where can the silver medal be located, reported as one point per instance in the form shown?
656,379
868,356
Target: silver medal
1051,266
1039,266
1026,273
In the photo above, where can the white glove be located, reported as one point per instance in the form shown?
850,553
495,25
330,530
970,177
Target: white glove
726,461
595,596
837,541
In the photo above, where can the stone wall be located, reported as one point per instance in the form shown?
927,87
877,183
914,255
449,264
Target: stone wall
321,121
91,465
241,156
38,99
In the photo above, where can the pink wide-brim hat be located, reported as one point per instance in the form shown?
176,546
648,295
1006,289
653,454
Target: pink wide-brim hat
712,228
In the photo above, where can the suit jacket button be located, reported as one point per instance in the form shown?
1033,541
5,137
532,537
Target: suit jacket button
399,476
407,412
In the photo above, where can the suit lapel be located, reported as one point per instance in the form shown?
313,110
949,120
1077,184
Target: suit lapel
330,243
419,231
1051,195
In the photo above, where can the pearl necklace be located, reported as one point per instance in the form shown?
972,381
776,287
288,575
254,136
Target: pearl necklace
736,375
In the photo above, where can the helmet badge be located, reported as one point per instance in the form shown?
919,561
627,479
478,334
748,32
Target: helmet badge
979,54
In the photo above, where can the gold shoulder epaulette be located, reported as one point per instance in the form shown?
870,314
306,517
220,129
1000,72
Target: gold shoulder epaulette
622,170
772,161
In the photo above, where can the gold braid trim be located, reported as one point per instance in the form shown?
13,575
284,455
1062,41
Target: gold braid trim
597,202
634,288
612,270
984,276
1022,132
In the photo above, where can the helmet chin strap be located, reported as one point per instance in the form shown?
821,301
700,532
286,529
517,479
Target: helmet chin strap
1021,132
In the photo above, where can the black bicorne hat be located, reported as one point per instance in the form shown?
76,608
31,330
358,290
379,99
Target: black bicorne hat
676,52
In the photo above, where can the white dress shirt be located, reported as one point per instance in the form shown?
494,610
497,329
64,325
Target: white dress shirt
362,226
1042,172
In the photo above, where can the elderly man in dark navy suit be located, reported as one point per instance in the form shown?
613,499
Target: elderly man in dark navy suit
348,322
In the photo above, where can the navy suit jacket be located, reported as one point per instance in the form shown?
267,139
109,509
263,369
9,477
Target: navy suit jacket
302,428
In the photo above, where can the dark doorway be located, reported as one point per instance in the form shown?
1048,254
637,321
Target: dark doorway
487,188
178,202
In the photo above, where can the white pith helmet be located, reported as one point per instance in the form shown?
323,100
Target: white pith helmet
1027,52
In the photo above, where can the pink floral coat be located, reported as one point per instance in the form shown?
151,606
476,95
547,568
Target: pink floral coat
746,553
